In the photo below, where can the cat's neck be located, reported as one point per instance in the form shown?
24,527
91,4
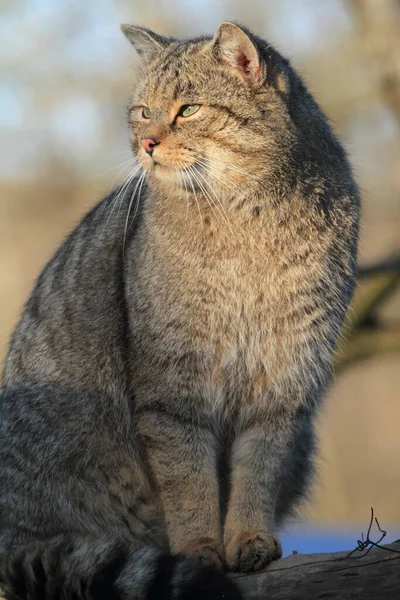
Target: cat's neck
192,218
206,200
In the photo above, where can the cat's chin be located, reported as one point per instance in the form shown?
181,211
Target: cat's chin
166,174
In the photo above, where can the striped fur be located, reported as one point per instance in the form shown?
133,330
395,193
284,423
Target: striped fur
160,392
87,568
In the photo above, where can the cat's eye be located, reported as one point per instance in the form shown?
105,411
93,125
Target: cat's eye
188,110
146,114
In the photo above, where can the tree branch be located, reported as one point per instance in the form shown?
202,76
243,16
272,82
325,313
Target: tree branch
369,344
389,265
372,576
365,336
337,576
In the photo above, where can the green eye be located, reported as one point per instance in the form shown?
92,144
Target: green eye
188,110
146,114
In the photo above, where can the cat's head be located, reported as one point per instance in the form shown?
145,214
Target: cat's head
211,111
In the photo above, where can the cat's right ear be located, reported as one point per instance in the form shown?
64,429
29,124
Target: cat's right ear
146,43
233,46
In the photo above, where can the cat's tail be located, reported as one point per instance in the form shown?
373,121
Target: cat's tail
84,568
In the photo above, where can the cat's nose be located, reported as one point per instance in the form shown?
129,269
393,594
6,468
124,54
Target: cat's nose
149,144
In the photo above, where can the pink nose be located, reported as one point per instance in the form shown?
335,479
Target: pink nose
148,144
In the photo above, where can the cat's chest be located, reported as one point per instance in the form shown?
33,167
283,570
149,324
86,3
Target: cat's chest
234,302
240,288
241,308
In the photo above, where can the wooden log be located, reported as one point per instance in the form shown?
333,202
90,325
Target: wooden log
375,576
336,576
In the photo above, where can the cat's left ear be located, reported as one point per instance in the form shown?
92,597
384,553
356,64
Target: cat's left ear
234,47
146,43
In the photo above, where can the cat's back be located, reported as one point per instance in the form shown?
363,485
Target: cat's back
73,328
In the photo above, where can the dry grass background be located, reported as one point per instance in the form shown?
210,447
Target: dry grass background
359,460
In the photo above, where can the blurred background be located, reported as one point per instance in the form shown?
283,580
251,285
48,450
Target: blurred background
67,72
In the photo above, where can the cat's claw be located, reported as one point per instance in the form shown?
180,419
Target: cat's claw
208,554
253,551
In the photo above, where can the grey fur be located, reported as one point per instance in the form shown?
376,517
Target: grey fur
161,387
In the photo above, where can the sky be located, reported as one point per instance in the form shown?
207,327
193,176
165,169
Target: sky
51,46
309,539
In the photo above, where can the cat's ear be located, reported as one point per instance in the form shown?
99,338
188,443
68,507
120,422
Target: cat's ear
146,43
234,47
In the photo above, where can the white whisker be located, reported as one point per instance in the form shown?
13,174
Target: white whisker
111,188
226,164
126,161
195,197
137,170
121,194
187,195
218,204
210,201
214,175
139,185
182,182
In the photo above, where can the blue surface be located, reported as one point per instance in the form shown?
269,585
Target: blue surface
309,540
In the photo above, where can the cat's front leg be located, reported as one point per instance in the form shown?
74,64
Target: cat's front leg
262,455
181,451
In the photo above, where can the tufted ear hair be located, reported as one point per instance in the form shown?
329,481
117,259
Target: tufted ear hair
234,47
146,43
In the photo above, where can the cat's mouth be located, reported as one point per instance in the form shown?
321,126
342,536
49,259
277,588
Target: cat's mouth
175,165
179,174
186,169
162,160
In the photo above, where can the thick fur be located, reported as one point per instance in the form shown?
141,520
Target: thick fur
161,387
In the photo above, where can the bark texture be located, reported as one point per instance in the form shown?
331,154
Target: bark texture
375,576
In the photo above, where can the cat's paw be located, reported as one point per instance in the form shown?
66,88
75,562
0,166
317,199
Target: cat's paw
252,551
208,554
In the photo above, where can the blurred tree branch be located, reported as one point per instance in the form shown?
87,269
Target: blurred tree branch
367,336
378,22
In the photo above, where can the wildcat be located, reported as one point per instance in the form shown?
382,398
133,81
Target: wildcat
161,388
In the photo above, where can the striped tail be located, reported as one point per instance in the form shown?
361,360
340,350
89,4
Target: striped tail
91,568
